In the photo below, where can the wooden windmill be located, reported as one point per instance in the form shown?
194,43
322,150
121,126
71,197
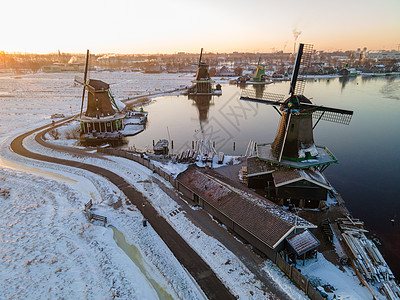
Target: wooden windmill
260,72
102,113
295,140
290,168
203,84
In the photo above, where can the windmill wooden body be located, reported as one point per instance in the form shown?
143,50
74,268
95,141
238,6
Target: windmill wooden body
203,84
292,162
102,116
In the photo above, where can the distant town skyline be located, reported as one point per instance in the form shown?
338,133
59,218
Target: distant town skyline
123,26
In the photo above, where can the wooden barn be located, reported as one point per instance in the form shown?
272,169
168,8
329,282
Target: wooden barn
259,221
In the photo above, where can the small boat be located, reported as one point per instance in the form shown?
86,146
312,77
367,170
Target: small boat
161,147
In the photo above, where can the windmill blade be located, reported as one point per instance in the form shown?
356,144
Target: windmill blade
84,80
266,98
201,54
299,75
330,114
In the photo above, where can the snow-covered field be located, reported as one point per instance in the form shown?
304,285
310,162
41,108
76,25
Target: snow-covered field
29,98
49,248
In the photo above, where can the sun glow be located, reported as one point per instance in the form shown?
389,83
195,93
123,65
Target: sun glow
123,26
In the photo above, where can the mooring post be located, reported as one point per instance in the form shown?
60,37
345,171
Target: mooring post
234,146
172,144
153,143
192,144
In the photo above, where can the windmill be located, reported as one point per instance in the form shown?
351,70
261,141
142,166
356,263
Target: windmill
203,84
290,168
294,141
102,114
260,72
259,76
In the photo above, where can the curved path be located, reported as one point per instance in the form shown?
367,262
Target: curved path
200,270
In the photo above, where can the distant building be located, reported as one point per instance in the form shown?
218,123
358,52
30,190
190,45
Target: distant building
225,72
58,67
383,55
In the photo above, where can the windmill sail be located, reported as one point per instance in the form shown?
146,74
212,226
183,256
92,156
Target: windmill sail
334,115
266,98
301,66
84,79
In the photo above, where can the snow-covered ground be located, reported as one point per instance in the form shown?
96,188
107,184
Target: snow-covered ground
50,249
234,274
48,245
32,97
342,283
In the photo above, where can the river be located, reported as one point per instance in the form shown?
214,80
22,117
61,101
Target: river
368,173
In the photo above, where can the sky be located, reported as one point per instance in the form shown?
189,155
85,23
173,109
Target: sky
170,26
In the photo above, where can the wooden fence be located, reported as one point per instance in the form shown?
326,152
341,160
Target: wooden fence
295,275
92,216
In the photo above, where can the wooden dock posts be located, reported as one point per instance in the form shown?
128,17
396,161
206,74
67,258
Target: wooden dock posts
92,216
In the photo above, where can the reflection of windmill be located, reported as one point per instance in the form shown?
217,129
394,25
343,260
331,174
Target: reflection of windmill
203,84
202,103
293,148
102,113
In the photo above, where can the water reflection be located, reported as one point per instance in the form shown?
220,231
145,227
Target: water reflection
259,88
368,168
345,80
203,103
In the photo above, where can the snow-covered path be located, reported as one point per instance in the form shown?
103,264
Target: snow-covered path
235,275
48,212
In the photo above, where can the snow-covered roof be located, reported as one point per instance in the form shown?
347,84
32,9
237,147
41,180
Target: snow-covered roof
303,242
286,176
269,223
257,167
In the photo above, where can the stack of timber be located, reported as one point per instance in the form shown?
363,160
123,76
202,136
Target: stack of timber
243,175
366,257
221,157
251,149
188,156
203,150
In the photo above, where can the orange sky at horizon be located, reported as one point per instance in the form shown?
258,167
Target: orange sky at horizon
124,26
